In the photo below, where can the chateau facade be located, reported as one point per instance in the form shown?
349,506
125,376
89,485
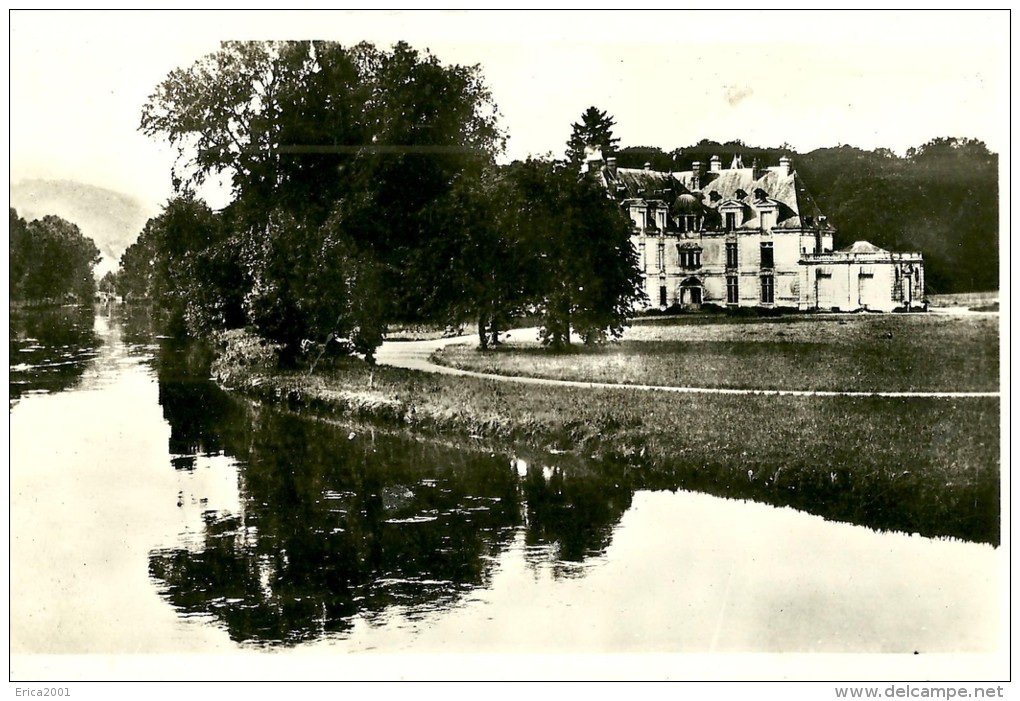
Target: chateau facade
749,237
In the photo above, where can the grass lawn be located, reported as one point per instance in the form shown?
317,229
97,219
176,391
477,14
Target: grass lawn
863,352
918,465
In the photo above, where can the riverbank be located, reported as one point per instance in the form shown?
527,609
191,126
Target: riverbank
924,465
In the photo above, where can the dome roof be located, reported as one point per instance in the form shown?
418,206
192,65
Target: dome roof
687,204
863,247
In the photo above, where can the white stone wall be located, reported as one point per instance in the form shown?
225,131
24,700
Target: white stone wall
713,271
855,285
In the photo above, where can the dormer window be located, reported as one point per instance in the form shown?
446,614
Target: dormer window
731,221
767,214
714,196
760,195
741,194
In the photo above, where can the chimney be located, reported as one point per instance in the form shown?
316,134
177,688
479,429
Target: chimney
648,166
696,174
784,166
592,159
757,171
714,164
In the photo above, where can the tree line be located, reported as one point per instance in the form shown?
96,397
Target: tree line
50,260
365,191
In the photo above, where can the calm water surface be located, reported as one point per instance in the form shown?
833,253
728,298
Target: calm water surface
151,512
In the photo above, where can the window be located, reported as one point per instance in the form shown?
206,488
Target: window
687,222
768,289
765,220
732,290
731,254
731,221
660,261
689,257
662,296
767,259
653,220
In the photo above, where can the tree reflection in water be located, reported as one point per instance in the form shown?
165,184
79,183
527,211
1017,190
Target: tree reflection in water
335,524
50,347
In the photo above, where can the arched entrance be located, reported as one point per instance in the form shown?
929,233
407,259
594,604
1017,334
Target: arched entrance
691,292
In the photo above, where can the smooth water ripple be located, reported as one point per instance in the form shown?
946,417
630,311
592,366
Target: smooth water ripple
151,512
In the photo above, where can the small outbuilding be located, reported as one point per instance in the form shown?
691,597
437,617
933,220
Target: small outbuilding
862,277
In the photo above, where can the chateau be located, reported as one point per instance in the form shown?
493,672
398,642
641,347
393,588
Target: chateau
750,236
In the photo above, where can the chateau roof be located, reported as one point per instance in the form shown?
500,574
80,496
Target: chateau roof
862,247
639,182
782,189
796,206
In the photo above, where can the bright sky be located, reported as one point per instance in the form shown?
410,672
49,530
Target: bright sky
895,80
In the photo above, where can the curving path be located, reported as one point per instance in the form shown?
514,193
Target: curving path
414,355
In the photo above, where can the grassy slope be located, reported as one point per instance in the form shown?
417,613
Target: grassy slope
859,353
924,465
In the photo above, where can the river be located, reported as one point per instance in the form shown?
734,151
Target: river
153,513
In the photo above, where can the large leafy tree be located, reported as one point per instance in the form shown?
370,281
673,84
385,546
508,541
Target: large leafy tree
587,268
313,135
224,113
489,266
187,262
50,259
335,304
19,257
432,126
301,125
595,130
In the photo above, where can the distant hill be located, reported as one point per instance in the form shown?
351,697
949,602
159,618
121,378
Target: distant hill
112,219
